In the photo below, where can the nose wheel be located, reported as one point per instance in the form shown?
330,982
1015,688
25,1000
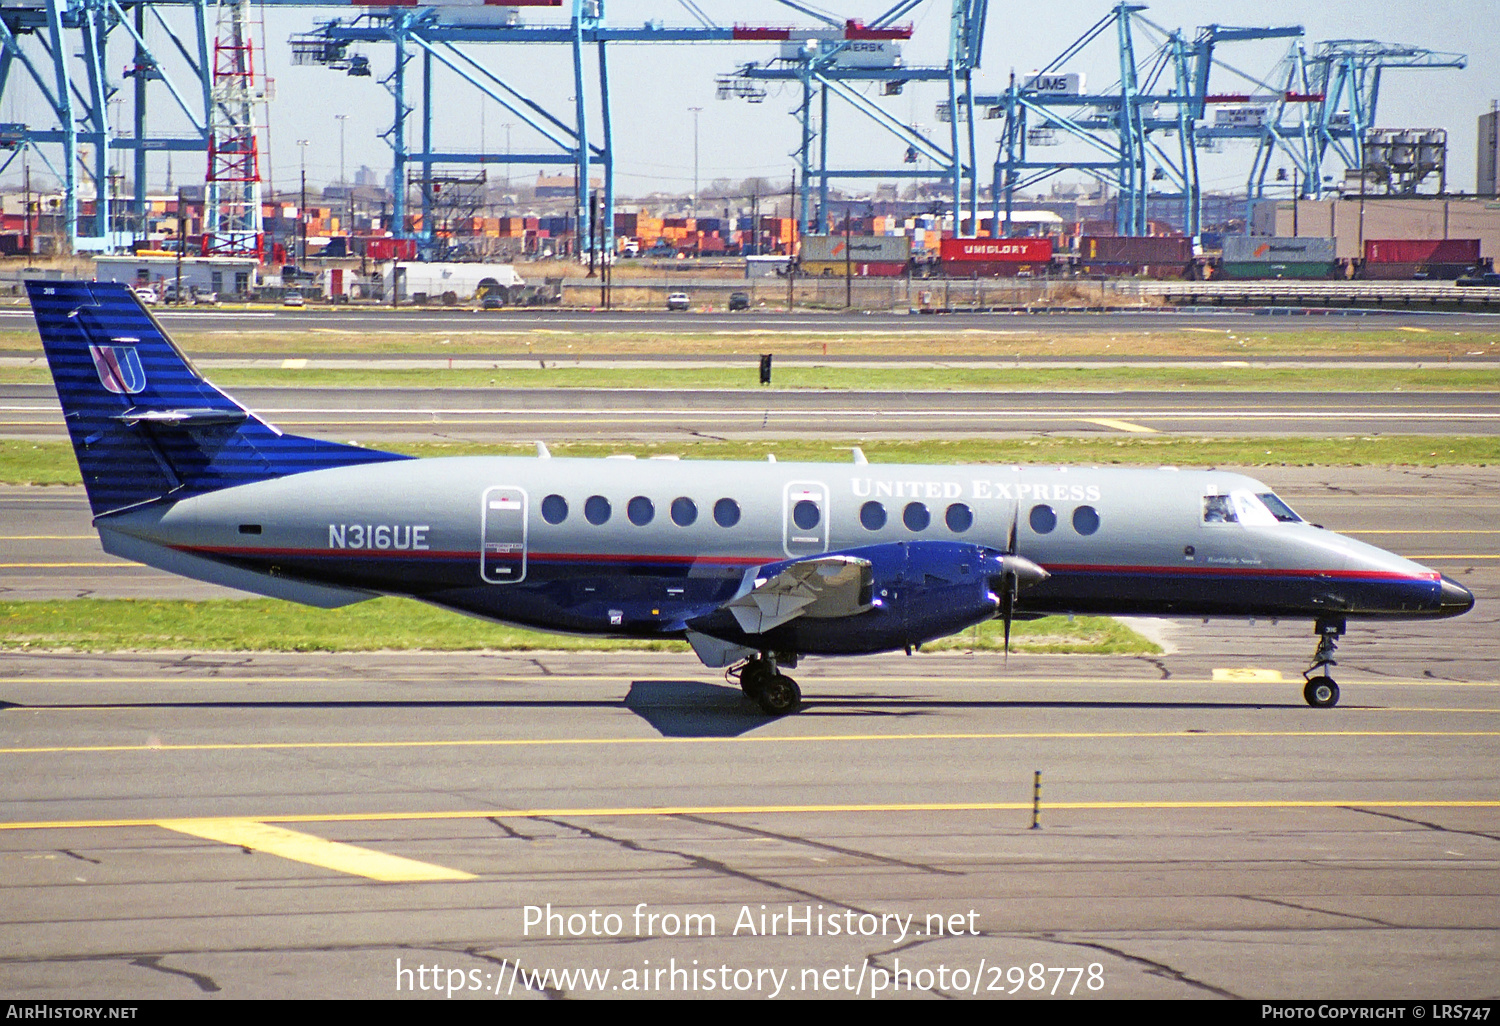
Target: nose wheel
763,682
1321,692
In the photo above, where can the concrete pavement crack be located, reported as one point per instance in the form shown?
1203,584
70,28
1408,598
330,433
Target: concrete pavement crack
203,983
1153,968
886,859
703,862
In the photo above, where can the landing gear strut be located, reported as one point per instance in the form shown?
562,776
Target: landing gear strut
776,693
1321,692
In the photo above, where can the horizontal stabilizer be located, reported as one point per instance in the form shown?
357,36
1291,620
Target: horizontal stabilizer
191,418
822,587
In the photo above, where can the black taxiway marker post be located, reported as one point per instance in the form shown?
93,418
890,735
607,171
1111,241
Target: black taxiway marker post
1036,801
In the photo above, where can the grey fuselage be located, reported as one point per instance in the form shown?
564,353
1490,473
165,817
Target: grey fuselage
526,541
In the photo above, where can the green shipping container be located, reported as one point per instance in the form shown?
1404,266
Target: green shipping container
1311,269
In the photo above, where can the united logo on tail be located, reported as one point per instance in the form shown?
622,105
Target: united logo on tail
119,368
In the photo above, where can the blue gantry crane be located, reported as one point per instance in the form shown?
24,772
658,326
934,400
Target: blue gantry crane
1143,133
834,61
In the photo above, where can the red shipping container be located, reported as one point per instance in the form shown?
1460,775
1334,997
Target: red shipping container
991,250
1421,251
1136,249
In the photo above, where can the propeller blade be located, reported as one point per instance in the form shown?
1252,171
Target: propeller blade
1009,587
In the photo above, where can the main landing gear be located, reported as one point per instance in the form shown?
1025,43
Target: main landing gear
762,680
1321,692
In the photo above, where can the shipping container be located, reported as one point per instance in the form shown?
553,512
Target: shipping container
874,249
1391,271
1136,249
1252,269
995,269
1421,251
1245,249
1122,269
857,268
996,250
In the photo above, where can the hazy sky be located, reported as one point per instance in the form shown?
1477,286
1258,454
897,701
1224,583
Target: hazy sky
654,86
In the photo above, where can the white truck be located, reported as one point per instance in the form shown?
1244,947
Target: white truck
451,284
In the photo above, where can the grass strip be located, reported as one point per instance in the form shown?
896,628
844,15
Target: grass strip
393,624
26,462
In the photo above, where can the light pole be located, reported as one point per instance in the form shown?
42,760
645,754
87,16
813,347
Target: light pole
302,204
695,112
343,181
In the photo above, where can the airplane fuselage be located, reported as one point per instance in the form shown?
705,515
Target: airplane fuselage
650,548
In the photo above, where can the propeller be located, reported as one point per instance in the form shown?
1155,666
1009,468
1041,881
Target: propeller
1016,572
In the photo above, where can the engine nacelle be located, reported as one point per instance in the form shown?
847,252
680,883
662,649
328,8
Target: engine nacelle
918,591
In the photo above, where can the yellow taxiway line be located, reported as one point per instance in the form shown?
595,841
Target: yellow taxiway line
1081,735
314,851
754,810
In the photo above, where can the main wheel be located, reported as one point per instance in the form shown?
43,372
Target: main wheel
753,678
778,695
1321,693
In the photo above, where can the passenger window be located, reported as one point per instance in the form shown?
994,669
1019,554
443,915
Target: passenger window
596,510
915,516
959,518
1043,519
805,514
640,510
1217,509
872,515
684,511
554,509
726,512
1085,520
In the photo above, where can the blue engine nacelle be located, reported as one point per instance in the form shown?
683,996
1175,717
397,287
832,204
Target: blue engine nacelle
917,591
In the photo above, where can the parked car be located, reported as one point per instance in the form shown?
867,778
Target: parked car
293,298
677,301
205,297
739,301
1484,278
147,295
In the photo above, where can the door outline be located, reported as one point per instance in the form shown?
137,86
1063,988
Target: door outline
503,526
795,541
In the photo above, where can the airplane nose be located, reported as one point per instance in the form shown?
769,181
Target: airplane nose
1455,599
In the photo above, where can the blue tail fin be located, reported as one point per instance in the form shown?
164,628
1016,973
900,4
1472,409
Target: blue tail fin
145,424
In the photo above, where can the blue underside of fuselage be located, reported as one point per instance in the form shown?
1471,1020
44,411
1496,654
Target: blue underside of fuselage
644,599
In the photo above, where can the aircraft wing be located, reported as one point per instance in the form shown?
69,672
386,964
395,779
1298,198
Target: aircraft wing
822,586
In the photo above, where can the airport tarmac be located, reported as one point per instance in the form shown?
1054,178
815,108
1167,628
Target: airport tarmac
504,414
241,825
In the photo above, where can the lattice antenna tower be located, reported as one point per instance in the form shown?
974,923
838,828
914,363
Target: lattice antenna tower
232,188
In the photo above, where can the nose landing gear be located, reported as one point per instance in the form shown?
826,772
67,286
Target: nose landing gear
762,680
1321,692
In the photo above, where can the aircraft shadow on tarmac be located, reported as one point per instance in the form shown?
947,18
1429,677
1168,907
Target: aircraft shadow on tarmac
691,708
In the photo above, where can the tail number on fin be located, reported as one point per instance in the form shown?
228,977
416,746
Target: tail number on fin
119,368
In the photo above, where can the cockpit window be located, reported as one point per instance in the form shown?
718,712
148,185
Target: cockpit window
1244,507
1217,509
1280,510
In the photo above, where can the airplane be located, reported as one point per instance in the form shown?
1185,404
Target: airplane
756,565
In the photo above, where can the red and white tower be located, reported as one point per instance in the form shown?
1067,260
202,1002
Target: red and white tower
232,225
